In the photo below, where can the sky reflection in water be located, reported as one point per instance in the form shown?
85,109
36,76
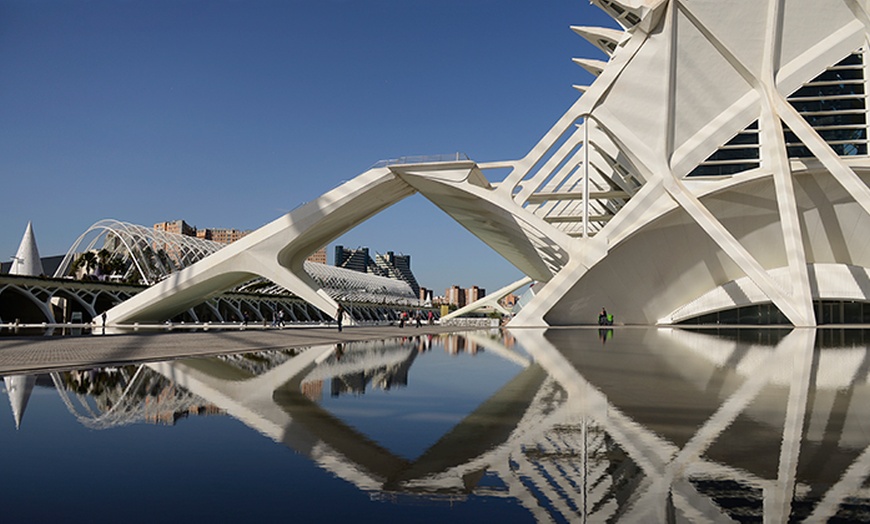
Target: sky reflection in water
636,425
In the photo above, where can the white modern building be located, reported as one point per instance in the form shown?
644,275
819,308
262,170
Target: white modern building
715,172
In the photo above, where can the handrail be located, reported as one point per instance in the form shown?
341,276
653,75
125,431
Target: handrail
421,159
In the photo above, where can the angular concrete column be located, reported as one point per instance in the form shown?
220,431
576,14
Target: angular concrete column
276,251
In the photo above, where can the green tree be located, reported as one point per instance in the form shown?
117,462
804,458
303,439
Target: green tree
89,261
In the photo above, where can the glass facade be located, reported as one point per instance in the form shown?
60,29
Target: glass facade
834,103
737,155
827,312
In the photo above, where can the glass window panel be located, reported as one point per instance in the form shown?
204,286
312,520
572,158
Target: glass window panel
814,90
852,312
852,59
840,74
748,315
828,105
722,170
735,154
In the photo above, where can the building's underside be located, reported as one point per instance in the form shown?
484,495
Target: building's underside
714,171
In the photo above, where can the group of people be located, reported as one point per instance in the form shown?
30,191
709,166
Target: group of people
277,318
404,316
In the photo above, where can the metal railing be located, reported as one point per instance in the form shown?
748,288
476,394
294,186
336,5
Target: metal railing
422,159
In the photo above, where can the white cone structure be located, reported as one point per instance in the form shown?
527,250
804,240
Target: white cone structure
19,388
26,261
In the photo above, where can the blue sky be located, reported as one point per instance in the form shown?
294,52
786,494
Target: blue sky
230,113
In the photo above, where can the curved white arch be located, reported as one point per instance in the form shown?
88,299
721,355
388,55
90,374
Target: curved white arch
181,250
276,252
43,307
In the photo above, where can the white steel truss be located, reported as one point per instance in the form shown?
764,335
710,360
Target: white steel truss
722,147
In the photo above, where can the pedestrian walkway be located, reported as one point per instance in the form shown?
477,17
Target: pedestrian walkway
33,354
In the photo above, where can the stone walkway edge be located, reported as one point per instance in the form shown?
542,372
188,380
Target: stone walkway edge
35,354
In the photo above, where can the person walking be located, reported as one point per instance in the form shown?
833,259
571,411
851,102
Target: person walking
339,316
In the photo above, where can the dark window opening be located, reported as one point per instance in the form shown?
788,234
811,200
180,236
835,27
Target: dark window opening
739,154
834,105
826,312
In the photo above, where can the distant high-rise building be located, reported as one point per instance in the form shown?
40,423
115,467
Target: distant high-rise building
318,256
455,296
179,227
221,235
354,259
473,294
226,236
390,265
398,267
509,301
461,297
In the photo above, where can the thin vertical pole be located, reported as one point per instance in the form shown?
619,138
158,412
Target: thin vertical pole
586,176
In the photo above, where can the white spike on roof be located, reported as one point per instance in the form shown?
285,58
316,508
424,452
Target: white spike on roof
580,88
595,67
18,388
633,14
638,4
27,261
603,38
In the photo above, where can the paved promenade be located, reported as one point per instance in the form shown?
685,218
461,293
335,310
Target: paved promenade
32,354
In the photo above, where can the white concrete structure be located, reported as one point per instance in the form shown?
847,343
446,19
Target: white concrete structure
149,255
276,251
26,261
717,162
491,300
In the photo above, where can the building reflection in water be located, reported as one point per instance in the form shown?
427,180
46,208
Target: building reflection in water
655,425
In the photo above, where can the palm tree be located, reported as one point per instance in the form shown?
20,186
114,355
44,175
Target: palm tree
89,261
103,257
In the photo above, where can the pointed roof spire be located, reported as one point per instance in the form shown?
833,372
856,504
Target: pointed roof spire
594,67
19,387
605,39
27,262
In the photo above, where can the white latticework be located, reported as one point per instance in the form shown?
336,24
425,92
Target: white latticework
346,285
152,255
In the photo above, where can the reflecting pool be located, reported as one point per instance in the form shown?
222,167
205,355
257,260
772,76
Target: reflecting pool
564,425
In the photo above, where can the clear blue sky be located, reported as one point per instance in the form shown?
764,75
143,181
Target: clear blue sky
229,113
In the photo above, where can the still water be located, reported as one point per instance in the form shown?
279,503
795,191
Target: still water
623,425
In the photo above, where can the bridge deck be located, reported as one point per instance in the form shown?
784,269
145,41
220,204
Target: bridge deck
20,355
